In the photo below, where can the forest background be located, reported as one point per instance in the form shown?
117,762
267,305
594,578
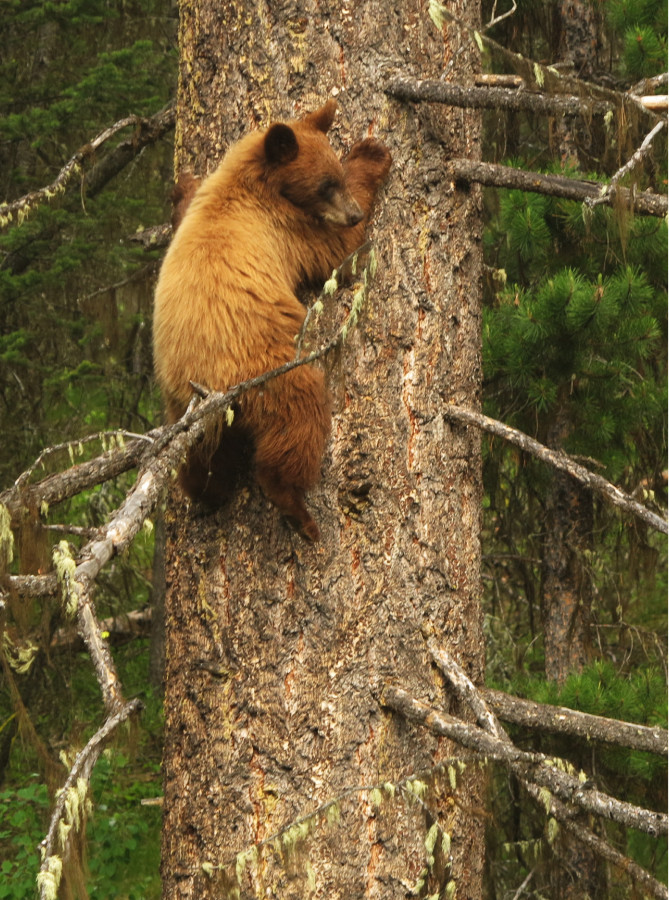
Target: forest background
75,360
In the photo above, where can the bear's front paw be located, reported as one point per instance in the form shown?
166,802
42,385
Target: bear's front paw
375,154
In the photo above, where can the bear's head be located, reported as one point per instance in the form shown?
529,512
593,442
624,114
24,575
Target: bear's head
302,167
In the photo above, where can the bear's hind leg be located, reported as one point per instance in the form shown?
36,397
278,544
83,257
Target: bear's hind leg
291,422
211,476
290,500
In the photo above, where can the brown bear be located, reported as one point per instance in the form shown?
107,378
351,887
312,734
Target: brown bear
280,211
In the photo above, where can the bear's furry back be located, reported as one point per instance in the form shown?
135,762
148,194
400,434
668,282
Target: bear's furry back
281,210
225,307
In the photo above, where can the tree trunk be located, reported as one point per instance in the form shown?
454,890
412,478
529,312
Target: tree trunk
275,647
565,585
566,598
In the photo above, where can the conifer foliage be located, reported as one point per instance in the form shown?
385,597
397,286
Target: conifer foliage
588,337
74,341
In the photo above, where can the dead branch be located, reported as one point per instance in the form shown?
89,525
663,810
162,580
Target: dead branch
469,694
147,131
494,18
535,768
655,102
68,811
483,79
546,77
123,627
116,438
33,585
61,486
418,90
558,460
560,720
649,84
633,161
492,175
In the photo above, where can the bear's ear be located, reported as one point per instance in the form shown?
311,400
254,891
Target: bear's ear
321,119
280,144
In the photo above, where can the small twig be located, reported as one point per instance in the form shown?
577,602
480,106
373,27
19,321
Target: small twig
136,276
526,881
493,20
78,530
347,268
561,461
633,161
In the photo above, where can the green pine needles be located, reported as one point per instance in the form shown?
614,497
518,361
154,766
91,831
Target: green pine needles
582,340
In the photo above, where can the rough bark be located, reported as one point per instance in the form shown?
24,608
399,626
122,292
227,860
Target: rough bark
274,647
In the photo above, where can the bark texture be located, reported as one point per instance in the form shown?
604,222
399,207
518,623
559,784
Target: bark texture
274,647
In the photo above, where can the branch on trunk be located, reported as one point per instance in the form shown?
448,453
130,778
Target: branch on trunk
475,699
147,131
419,90
536,768
560,461
561,720
546,77
493,175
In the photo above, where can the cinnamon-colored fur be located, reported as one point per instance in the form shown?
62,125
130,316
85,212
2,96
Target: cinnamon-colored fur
279,211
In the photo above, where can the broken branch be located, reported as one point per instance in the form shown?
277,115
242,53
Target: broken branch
559,460
492,175
532,767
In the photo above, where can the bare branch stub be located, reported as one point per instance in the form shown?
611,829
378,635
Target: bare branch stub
560,720
564,813
426,91
535,768
493,175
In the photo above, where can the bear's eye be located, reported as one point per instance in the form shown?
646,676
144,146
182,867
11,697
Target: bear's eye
327,187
